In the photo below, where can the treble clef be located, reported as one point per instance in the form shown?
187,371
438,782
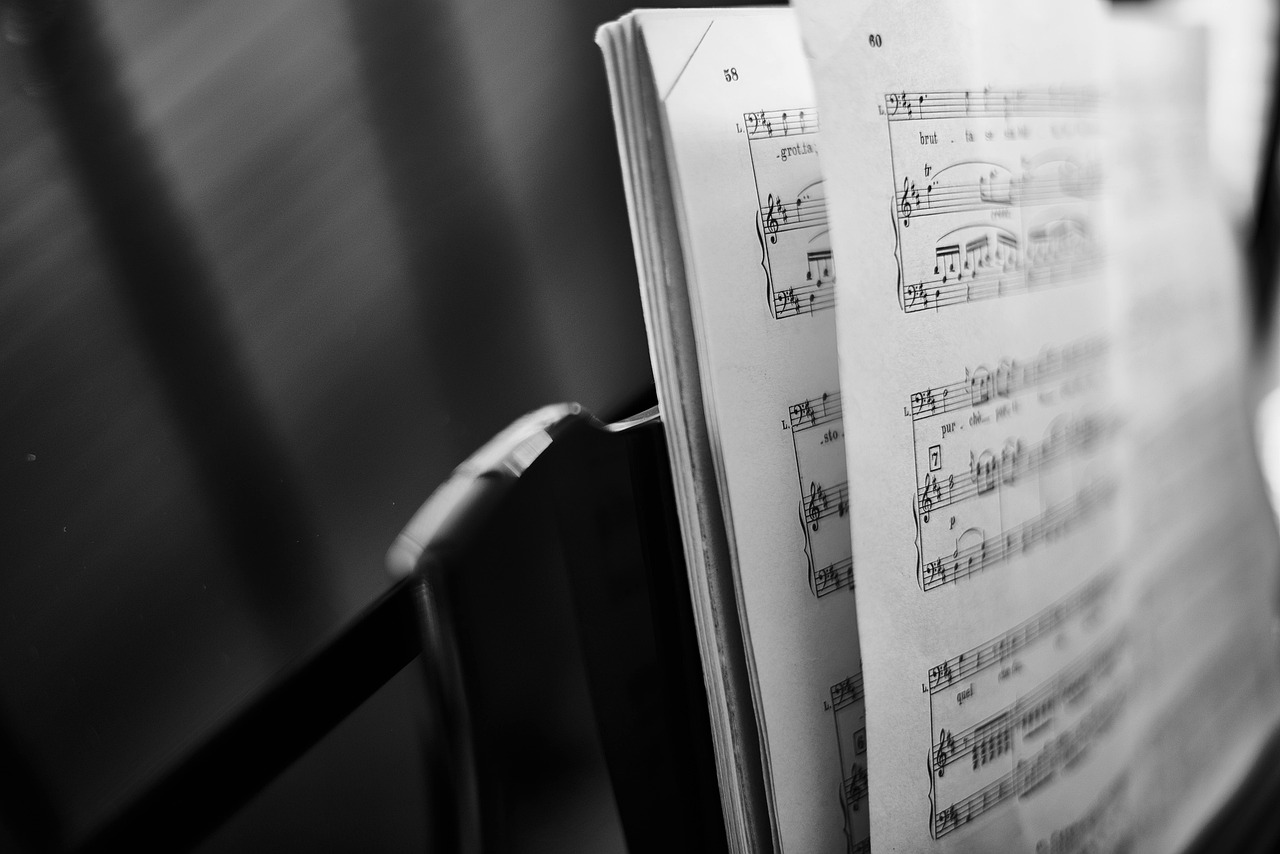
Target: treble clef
942,753
815,505
904,205
926,500
770,221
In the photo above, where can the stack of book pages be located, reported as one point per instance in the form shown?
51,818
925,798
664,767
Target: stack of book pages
948,335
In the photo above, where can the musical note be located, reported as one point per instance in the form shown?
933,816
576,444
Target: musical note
977,253
945,260
980,385
821,269
991,191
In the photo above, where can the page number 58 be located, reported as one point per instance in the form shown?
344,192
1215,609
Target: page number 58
873,40
730,75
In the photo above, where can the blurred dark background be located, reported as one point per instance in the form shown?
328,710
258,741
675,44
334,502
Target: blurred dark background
268,272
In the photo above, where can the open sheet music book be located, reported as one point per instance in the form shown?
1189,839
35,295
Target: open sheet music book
1032,451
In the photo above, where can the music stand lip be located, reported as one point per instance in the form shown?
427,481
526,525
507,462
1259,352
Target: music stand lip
460,504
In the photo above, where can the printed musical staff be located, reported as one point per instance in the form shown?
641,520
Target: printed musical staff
767,124
779,216
990,103
931,294
1029,715
1020,637
1028,775
802,299
1012,377
988,470
990,551
822,410
992,192
833,577
824,501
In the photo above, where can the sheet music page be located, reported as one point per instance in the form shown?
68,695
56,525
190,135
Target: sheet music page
741,130
978,362
1065,572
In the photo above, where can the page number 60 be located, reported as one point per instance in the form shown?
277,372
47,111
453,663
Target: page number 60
874,40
